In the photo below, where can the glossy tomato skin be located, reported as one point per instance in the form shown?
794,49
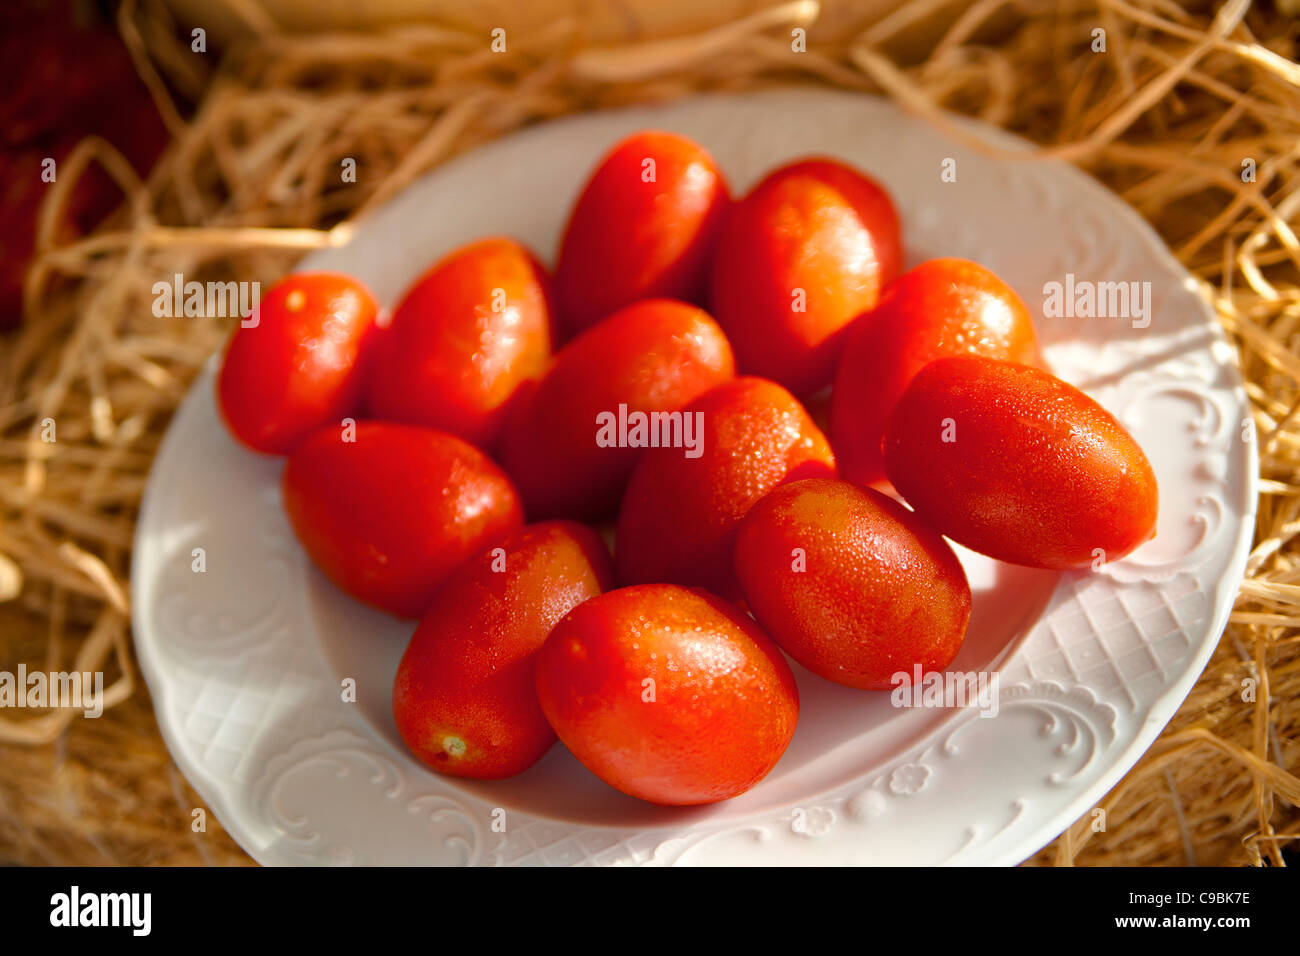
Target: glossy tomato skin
852,584
389,514
1034,472
653,356
463,341
941,308
679,514
799,258
464,698
629,238
668,694
302,365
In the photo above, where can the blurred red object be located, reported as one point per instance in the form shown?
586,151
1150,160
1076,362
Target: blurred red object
70,77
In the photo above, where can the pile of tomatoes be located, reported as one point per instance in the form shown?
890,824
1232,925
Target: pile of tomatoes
419,445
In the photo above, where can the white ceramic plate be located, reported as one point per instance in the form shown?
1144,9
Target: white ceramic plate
246,661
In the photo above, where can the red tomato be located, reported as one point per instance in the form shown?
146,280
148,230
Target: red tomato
1018,465
464,698
653,356
851,584
799,258
942,307
668,694
71,77
643,228
463,341
679,515
388,512
302,366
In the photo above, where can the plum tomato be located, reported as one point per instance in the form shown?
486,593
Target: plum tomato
388,510
654,356
668,694
643,227
464,698
462,342
851,584
299,363
1018,465
799,258
942,307
679,514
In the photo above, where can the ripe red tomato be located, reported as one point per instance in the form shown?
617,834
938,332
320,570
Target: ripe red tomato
464,339
1018,465
942,307
668,694
388,512
653,356
302,366
679,515
464,697
71,78
643,228
799,258
851,584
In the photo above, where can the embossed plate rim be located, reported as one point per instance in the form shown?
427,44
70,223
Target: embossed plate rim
225,800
